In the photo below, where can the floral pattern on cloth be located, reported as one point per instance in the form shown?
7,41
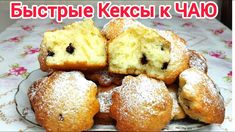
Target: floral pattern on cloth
218,54
16,70
30,50
217,31
15,39
54,22
27,27
229,76
188,24
156,23
228,43
209,37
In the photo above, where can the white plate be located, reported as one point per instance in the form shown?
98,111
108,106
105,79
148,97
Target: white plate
24,108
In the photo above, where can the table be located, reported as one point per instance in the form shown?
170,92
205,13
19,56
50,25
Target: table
19,47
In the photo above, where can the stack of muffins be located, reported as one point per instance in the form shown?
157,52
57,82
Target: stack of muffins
130,75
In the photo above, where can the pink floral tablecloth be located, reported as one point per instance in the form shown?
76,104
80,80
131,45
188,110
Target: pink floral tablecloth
19,47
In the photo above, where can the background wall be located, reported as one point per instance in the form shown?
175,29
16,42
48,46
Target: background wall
226,16
5,21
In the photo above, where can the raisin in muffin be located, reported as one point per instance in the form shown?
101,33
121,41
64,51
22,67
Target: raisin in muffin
139,50
177,111
78,46
64,101
199,97
179,57
141,104
135,49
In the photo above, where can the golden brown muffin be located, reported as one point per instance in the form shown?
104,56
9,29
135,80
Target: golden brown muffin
116,26
33,89
179,57
198,61
199,97
141,104
136,49
104,78
139,50
65,101
78,46
105,100
177,111
42,62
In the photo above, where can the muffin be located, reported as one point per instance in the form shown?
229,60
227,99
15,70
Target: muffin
116,26
105,100
199,97
198,61
78,46
64,101
33,89
141,104
177,111
104,78
179,57
139,50
136,49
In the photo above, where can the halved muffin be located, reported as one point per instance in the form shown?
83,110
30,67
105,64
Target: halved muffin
78,46
139,50
172,57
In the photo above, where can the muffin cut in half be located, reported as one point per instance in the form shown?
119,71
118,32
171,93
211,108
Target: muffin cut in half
78,46
179,57
139,50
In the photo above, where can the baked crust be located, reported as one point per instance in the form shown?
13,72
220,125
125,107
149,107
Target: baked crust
116,26
105,100
104,78
79,57
141,104
177,111
199,97
198,61
65,101
179,56
42,62
33,89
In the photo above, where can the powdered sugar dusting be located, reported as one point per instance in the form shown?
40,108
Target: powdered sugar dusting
35,87
126,23
141,91
178,49
67,92
130,23
194,77
198,82
176,107
198,61
105,100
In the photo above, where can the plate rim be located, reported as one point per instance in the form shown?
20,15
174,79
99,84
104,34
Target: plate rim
18,89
